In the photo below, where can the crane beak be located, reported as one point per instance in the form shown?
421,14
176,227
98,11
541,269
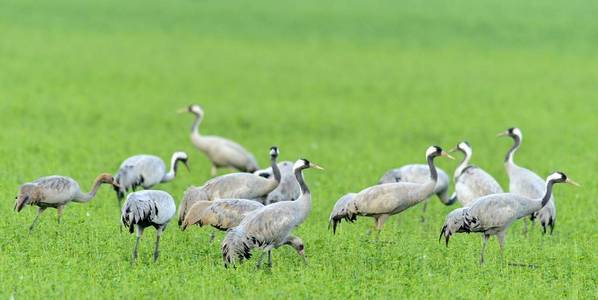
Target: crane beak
504,133
569,181
315,166
443,153
186,163
453,150
182,110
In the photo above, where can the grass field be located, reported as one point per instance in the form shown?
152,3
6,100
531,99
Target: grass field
357,86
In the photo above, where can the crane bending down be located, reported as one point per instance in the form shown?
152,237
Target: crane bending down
269,227
57,192
232,186
222,152
148,208
493,214
147,171
382,201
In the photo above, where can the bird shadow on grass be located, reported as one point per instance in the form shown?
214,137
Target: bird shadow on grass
531,266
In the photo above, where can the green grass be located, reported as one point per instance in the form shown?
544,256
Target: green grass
357,86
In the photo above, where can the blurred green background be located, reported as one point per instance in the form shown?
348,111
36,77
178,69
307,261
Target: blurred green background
357,86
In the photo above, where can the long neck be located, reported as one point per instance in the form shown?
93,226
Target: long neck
174,164
275,170
511,152
195,126
302,184
464,163
304,201
537,204
427,188
548,193
94,189
433,172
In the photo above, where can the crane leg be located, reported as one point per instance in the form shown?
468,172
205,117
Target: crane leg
269,258
501,242
259,261
424,207
59,212
40,210
552,224
486,237
525,227
157,247
214,171
380,224
212,237
139,233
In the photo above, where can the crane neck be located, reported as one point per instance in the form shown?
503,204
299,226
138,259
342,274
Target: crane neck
196,123
464,163
547,194
509,158
275,169
433,171
302,184
94,189
174,166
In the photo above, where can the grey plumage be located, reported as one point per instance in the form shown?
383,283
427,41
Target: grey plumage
222,152
269,227
222,214
287,190
148,208
57,192
493,214
382,201
232,186
420,173
472,182
146,171
527,183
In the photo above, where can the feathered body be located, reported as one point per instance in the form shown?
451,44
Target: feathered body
148,208
146,171
221,214
56,191
383,200
493,214
419,173
472,182
222,152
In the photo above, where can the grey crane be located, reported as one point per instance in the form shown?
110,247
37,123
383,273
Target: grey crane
471,182
382,201
420,173
222,152
232,186
287,190
56,191
146,171
269,227
527,183
222,214
493,214
148,208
